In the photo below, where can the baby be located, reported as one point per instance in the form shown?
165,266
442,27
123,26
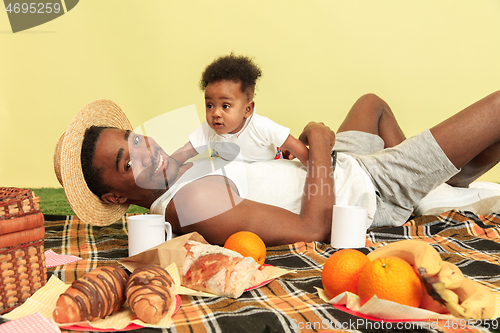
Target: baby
232,128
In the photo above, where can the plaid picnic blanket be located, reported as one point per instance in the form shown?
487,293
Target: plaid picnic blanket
291,302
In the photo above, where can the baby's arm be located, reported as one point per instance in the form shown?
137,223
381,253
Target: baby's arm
184,153
296,148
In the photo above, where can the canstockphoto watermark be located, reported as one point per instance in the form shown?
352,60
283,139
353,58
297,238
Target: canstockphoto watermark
26,14
365,324
361,323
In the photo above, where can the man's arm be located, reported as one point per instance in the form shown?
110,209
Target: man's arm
318,205
230,213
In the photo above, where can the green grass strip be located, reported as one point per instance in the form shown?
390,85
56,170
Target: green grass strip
53,201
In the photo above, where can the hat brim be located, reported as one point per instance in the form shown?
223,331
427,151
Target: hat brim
68,167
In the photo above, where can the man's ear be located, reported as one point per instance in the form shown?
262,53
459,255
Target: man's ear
249,109
113,199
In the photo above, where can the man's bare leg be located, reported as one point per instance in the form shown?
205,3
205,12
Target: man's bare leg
471,139
372,114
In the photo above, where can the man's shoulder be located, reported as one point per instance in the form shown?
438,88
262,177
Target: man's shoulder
204,187
205,198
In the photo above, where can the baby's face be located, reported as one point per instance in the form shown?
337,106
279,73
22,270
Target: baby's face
226,106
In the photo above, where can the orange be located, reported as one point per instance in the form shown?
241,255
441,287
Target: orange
342,270
392,279
247,244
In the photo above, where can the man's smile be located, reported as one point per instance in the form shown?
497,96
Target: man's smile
160,166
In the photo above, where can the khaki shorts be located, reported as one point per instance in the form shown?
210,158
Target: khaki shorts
402,175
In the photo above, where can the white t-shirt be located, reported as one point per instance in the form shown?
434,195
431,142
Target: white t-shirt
279,183
256,141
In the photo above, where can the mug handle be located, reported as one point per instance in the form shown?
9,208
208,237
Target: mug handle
168,230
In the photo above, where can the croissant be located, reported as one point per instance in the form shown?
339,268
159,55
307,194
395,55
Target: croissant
217,270
150,293
95,295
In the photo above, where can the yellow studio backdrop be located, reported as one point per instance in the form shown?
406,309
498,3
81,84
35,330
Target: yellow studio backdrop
428,59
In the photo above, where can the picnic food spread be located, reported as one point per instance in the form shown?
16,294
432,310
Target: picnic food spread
96,294
297,297
150,293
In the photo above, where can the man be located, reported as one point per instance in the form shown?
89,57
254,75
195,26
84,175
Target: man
389,176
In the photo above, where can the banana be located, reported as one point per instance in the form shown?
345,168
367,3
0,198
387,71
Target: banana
439,299
432,302
477,300
447,297
471,300
422,256
449,274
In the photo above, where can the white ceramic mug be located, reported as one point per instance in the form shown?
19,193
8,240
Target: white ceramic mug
348,227
146,231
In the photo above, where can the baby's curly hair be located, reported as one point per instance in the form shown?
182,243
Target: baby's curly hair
235,68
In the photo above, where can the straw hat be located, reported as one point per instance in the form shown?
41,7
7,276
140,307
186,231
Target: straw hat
68,167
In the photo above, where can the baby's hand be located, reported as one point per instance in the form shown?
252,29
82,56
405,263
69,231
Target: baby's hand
287,155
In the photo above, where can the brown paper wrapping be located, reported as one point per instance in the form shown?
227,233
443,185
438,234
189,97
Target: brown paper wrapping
171,251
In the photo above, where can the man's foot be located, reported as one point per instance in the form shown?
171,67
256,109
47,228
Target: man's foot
478,200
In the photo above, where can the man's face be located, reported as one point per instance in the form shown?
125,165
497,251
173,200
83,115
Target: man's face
133,165
226,106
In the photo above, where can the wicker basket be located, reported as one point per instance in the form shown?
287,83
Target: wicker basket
15,202
23,272
22,258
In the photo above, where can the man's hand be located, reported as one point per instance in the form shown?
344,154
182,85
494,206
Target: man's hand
317,128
